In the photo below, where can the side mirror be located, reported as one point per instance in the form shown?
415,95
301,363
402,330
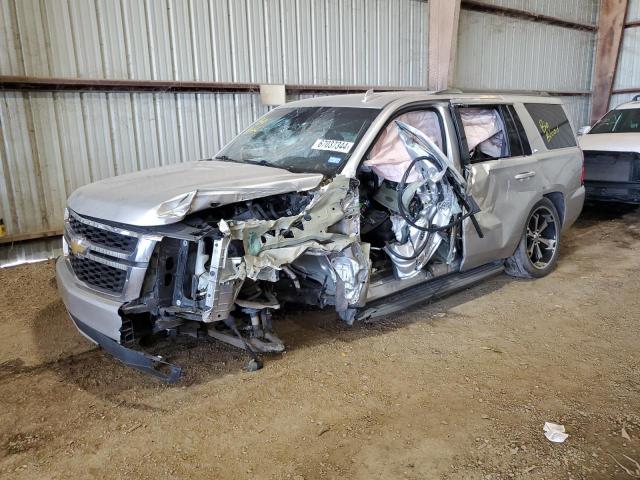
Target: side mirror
584,130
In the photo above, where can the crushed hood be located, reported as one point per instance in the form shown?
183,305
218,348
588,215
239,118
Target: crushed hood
166,195
611,142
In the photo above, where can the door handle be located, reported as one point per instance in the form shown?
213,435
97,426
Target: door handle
524,175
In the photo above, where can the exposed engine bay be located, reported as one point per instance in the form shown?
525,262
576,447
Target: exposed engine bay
225,270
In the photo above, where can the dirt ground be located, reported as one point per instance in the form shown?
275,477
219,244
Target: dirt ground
456,389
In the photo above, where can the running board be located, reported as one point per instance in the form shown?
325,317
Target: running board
429,290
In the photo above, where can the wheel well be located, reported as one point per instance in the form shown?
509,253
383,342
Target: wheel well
557,198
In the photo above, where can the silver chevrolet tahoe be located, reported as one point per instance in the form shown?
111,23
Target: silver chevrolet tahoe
367,204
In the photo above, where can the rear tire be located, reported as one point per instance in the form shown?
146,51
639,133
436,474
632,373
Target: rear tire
537,252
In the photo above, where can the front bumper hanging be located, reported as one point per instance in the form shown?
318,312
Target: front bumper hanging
153,365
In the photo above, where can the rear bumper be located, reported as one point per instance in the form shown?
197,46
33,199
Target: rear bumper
623,192
612,176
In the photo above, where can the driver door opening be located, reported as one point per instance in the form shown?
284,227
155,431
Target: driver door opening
398,250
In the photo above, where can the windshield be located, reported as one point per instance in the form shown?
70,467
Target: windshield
308,139
619,121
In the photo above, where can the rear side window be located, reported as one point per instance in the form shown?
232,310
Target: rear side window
552,124
485,132
515,143
524,141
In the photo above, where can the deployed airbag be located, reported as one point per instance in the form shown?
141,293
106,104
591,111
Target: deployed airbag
389,158
484,129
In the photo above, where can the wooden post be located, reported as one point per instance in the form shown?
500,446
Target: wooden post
444,17
610,32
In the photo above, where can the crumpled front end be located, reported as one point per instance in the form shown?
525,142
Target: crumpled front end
223,272
220,272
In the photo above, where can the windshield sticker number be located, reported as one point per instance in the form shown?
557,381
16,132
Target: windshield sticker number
332,145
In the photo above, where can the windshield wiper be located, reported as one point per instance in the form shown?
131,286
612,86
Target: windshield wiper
263,163
266,163
224,158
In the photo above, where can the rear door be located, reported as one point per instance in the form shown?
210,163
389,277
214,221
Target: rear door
503,180
558,158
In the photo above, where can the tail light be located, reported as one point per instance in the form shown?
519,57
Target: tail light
583,173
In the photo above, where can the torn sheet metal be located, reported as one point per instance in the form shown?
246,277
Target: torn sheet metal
419,145
329,227
165,195
484,129
351,267
272,243
414,247
223,282
389,157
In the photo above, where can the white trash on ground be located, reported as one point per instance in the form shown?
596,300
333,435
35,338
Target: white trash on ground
555,432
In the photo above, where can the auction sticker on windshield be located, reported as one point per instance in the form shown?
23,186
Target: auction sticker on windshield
332,145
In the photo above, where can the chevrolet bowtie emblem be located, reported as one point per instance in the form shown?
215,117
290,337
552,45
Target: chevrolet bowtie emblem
77,247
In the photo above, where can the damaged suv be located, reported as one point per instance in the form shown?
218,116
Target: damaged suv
366,204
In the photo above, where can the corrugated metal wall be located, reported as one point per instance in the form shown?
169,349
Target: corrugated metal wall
499,52
32,251
628,73
52,143
264,41
633,11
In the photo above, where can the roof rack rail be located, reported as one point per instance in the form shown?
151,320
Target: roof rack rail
481,91
636,98
448,91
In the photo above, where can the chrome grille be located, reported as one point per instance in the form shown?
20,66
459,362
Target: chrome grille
98,274
101,237
108,258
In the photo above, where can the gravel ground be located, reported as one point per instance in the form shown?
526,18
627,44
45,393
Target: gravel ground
456,389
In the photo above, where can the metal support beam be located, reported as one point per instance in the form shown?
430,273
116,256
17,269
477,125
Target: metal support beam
627,90
610,30
525,15
81,85
444,16
122,85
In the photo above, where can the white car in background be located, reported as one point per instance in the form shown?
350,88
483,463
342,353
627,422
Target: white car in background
612,155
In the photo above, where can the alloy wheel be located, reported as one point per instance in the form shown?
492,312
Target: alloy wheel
542,237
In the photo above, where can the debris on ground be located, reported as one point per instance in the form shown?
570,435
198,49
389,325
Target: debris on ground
633,473
555,432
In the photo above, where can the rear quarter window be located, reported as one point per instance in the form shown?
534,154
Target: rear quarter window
552,124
